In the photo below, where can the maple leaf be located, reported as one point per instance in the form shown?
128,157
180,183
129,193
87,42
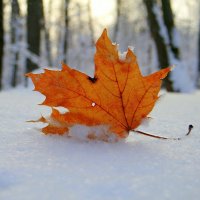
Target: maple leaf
117,96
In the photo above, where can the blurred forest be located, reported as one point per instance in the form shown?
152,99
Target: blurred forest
38,34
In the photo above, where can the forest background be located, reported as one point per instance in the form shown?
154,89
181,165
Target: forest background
43,33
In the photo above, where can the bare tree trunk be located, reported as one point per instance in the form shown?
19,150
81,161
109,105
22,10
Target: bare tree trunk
90,22
159,40
1,41
46,35
66,33
170,25
34,25
118,12
199,55
15,14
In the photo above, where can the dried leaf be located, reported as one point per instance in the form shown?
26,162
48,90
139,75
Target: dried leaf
117,96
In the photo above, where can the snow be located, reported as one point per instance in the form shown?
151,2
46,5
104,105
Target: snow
163,29
181,81
122,55
35,166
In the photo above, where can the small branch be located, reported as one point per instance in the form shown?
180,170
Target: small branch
190,127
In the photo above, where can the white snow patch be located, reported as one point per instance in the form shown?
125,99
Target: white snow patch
163,29
132,48
146,121
36,166
61,109
83,133
176,37
181,81
122,56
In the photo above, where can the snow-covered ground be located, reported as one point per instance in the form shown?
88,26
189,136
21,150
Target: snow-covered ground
35,166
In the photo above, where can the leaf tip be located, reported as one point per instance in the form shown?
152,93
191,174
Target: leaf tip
105,32
131,48
28,75
65,67
103,35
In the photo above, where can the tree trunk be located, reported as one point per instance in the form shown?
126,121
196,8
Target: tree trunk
46,30
170,25
199,55
159,40
90,24
66,33
15,14
34,25
118,13
1,41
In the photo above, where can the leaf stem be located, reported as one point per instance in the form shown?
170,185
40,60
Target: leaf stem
190,127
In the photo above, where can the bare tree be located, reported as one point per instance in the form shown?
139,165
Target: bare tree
168,18
45,29
118,13
34,26
15,15
199,53
90,22
66,33
1,41
161,47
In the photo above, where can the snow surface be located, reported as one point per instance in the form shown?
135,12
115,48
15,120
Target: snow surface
35,166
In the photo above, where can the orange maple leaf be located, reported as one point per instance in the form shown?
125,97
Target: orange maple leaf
117,96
